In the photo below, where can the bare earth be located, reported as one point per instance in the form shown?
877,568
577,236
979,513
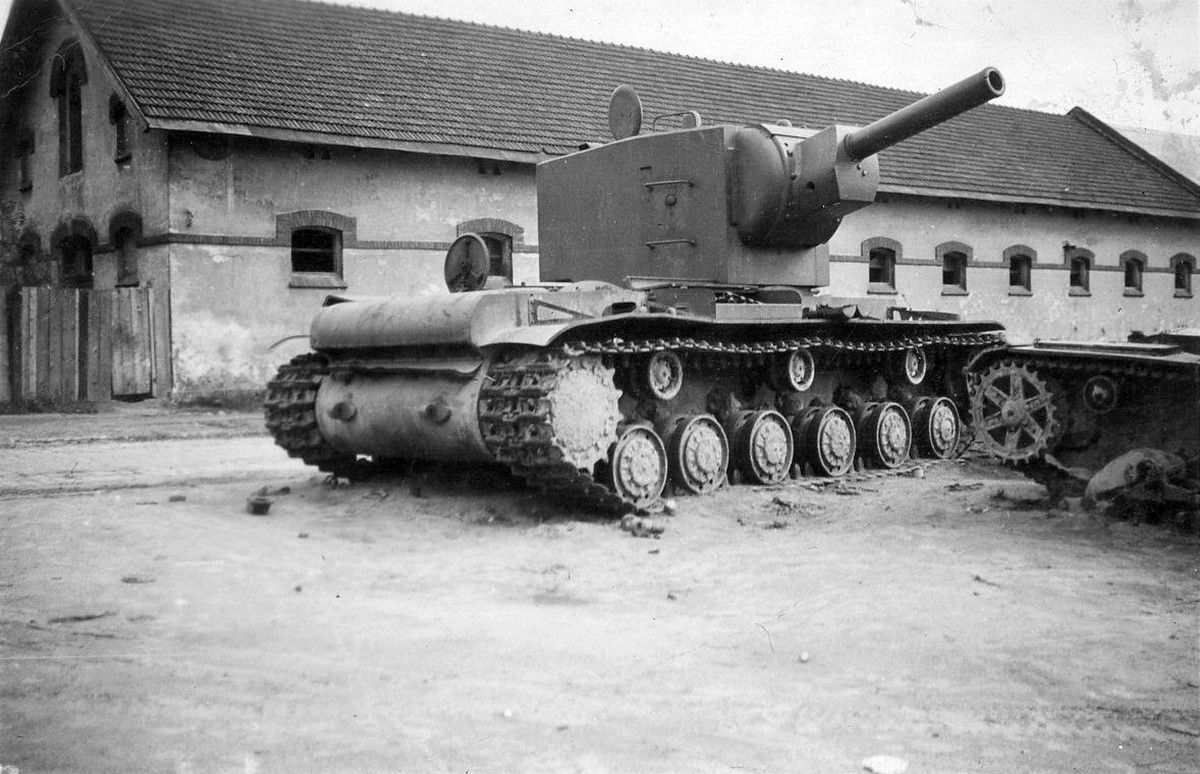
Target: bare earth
433,623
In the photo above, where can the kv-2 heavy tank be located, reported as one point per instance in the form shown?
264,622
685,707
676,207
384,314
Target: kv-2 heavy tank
679,333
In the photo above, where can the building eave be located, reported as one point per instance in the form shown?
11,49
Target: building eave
349,141
943,193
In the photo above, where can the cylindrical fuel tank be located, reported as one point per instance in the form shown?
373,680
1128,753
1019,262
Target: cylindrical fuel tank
410,415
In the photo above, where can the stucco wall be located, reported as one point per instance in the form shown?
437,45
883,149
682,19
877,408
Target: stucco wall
231,299
920,225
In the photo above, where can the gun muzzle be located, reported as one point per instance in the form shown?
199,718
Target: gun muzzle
929,111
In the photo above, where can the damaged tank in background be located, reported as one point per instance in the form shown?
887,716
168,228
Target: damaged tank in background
1106,421
679,334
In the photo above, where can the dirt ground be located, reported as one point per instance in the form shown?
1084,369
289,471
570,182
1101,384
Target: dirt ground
432,623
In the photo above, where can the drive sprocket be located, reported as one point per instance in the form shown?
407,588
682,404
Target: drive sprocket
1014,412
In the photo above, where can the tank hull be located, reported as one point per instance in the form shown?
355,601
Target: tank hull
1063,411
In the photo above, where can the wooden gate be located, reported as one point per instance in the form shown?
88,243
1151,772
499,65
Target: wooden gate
74,345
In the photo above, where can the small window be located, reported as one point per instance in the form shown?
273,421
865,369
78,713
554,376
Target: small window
1020,275
954,273
119,117
1133,265
499,255
1183,266
1081,269
68,74
125,246
75,254
316,251
24,155
881,269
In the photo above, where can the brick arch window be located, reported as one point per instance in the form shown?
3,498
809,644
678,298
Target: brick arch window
1133,266
31,268
124,234
1183,266
881,255
73,244
1079,261
68,74
315,239
954,258
23,152
501,236
118,116
1019,260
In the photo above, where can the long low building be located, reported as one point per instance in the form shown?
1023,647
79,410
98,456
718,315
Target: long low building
204,172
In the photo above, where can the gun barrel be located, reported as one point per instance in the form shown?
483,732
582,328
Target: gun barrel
929,111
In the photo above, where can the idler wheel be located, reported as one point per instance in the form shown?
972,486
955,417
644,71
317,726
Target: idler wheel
762,445
826,439
793,371
660,375
638,466
914,365
885,433
698,453
937,427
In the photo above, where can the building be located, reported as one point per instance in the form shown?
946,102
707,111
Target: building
236,162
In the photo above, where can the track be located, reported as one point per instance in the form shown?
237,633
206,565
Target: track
519,430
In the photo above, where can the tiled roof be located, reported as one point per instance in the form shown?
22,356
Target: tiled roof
372,76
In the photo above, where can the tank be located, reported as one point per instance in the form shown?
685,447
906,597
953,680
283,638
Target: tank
1105,421
679,336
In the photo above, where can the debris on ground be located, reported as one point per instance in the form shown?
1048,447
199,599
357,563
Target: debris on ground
640,526
984,581
959,486
885,764
804,657
785,502
136,579
81,617
259,505
670,507
176,498
776,524
267,491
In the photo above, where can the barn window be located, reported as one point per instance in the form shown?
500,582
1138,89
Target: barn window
316,251
1081,271
24,154
1183,266
68,74
118,116
881,255
125,246
954,257
1020,274
1133,264
954,272
75,254
499,254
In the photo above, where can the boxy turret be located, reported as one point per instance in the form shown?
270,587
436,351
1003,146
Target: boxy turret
728,204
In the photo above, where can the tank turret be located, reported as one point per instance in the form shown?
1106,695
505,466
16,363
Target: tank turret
742,205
